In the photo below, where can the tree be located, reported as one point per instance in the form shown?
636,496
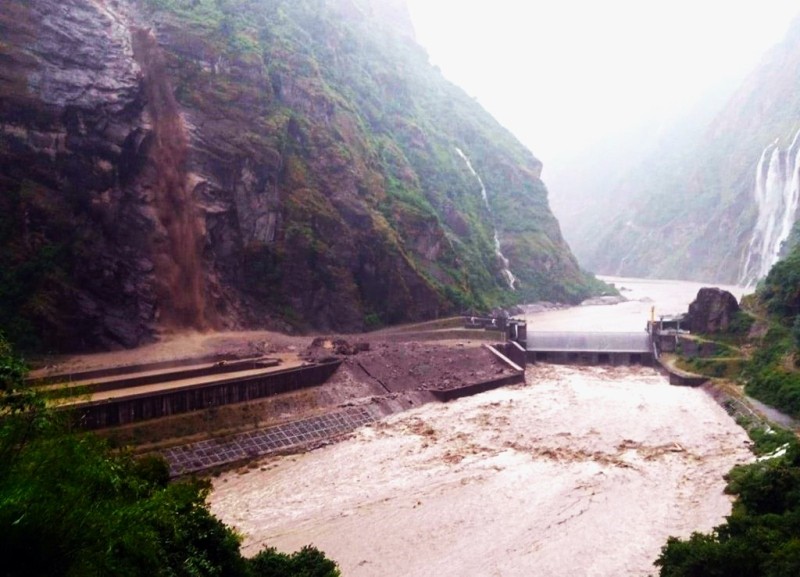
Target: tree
796,332
760,538
308,562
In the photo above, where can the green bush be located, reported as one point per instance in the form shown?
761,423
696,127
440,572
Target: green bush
308,562
781,289
766,375
760,538
12,368
796,332
766,439
741,324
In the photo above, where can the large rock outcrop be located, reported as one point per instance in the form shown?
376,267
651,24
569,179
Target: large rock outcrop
194,164
712,311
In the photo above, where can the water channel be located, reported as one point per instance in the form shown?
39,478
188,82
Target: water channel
582,471
644,297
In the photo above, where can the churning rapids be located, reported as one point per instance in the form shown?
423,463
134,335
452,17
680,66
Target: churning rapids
581,471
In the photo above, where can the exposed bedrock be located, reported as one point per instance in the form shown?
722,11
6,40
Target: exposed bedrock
169,166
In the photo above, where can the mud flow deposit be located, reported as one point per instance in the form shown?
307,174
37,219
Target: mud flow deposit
583,471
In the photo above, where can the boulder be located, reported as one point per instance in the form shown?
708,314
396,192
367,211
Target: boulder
342,347
712,311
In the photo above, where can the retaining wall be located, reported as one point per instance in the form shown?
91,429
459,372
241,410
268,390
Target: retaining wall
693,348
445,334
38,378
514,351
153,405
175,374
477,388
684,379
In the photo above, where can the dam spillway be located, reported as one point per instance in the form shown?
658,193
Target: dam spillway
590,348
589,341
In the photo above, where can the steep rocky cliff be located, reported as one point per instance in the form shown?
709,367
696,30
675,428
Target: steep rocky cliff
703,210
195,164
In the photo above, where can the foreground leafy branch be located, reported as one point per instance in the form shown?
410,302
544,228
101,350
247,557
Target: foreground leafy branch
71,507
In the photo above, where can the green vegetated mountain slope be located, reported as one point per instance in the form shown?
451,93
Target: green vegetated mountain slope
773,374
233,163
688,211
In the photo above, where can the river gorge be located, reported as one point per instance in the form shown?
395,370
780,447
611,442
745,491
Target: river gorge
580,471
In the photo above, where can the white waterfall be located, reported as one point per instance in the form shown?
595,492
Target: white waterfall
506,271
777,192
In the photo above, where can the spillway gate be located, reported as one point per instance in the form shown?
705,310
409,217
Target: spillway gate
590,348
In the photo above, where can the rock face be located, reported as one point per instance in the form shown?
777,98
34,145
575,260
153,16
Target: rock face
173,165
76,222
712,311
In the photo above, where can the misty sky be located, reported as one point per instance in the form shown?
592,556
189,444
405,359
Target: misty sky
563,74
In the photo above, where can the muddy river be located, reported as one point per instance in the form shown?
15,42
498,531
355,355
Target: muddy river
581,471
645,297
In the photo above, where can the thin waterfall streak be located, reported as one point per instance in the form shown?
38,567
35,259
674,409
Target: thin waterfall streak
475,174
509,277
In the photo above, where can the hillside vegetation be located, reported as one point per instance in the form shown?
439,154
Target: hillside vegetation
774,373
762,535
317,183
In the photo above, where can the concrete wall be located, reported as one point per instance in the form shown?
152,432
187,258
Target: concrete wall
515,352
121,411
686,380
175,374
444,335
38,378
666,343
591,358
692,348
477,388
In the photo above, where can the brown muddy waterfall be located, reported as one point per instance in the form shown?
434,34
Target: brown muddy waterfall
176,248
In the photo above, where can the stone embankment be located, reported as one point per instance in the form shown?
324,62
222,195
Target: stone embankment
208,454
202,412
372,382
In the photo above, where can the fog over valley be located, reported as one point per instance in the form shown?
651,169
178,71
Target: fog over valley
614,98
